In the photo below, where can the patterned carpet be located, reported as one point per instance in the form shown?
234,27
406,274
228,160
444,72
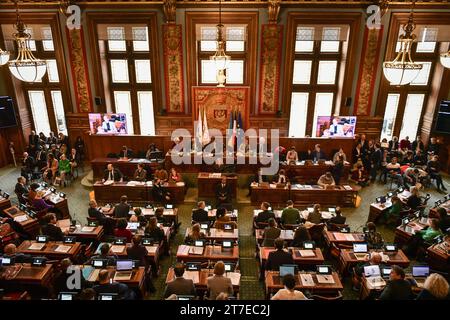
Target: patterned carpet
251,287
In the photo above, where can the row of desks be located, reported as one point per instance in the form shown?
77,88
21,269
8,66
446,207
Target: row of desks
305,195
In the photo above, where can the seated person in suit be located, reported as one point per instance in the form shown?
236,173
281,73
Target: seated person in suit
51,229
288,292
175,176
112,174
265,214
218,282
139,217
21,189
340,153
107,285
159,192
140,174
271,233
125,153
374,259
223,192
222,218
137,251
339,218
104,254
315,216
108,223
121,231
326,180
317,154
180,285
282,177
200,214
62,280
153,230
278,257
151,152
444,219
292,156
10,250
397,288
290,215
27,165
435,287
195,234
301,235
123,208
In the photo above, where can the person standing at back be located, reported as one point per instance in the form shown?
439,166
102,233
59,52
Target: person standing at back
122,209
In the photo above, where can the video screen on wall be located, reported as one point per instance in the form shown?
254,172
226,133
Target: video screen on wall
108,123
335,127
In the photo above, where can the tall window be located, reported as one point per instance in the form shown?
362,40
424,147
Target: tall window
316,68
404,104
45,98
235,46
127,51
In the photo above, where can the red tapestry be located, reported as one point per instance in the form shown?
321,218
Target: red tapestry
173,67
218,104
367,71
269,82
80,73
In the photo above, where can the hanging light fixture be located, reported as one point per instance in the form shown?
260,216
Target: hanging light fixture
220,58
445,59
4,57
25,67
402,70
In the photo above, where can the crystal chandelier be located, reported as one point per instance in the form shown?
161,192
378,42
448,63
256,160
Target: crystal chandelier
220,58
402,70
25,67
4,57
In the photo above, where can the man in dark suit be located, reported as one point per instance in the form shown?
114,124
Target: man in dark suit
375,161
107,222
21,189
112,174
317,154
40,158
126,153
397,288
27,165
106,285
137,251
180,285
10,250
122,209
33,140
278,257
265,214
51,229
223,192
200,214
339,218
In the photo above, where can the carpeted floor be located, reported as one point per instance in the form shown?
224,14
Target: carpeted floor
251,287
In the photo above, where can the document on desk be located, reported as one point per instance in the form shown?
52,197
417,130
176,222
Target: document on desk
307,280
344,236
21,218
193,275
287,234
151,249
348,188
196,250
307,253
117,249
235,278
183,250
63,248
87,229
325,278
36,246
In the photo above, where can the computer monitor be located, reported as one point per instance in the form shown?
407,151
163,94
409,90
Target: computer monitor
62,195
420,271
360,248
199,243
228,227
124,265
6,261
66,296
324,269
390,247
309,245
372,271
99,263
227,244
344,229
405,221
204,226
42,239
93,223
69,239
133,225
385,272
147,241
310,209
229,267
288,269
332,210
183,298
120,241
390,194
193,266
169,206
38,261
107,296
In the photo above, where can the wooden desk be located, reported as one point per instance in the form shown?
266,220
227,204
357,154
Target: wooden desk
286,235
377,209
433,211
326,215
347,260
135,193
207,185
337,196
126,167
30,225
269,194
439,257
55,200
343,238
86,236
403,235
26,274
49,250
4,204
202,283
152,255
274,283
210,253
232,214
369,290
218,234
303,173
168,214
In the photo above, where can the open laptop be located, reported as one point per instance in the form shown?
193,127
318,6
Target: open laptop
169,206
285,269
124,270
227,244
420,273
229,266
373,275
309,245
324,274
228,227
390,247
386,272
360,250
67,296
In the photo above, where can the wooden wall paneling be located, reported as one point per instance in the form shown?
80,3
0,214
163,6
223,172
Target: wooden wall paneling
370,126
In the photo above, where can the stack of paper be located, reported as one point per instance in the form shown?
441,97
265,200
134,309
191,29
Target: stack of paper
183,250
196,250
235,278
325,278
307,253
62,248
307,280
87,229
152,249
117,249
21,218
193,275
36,246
